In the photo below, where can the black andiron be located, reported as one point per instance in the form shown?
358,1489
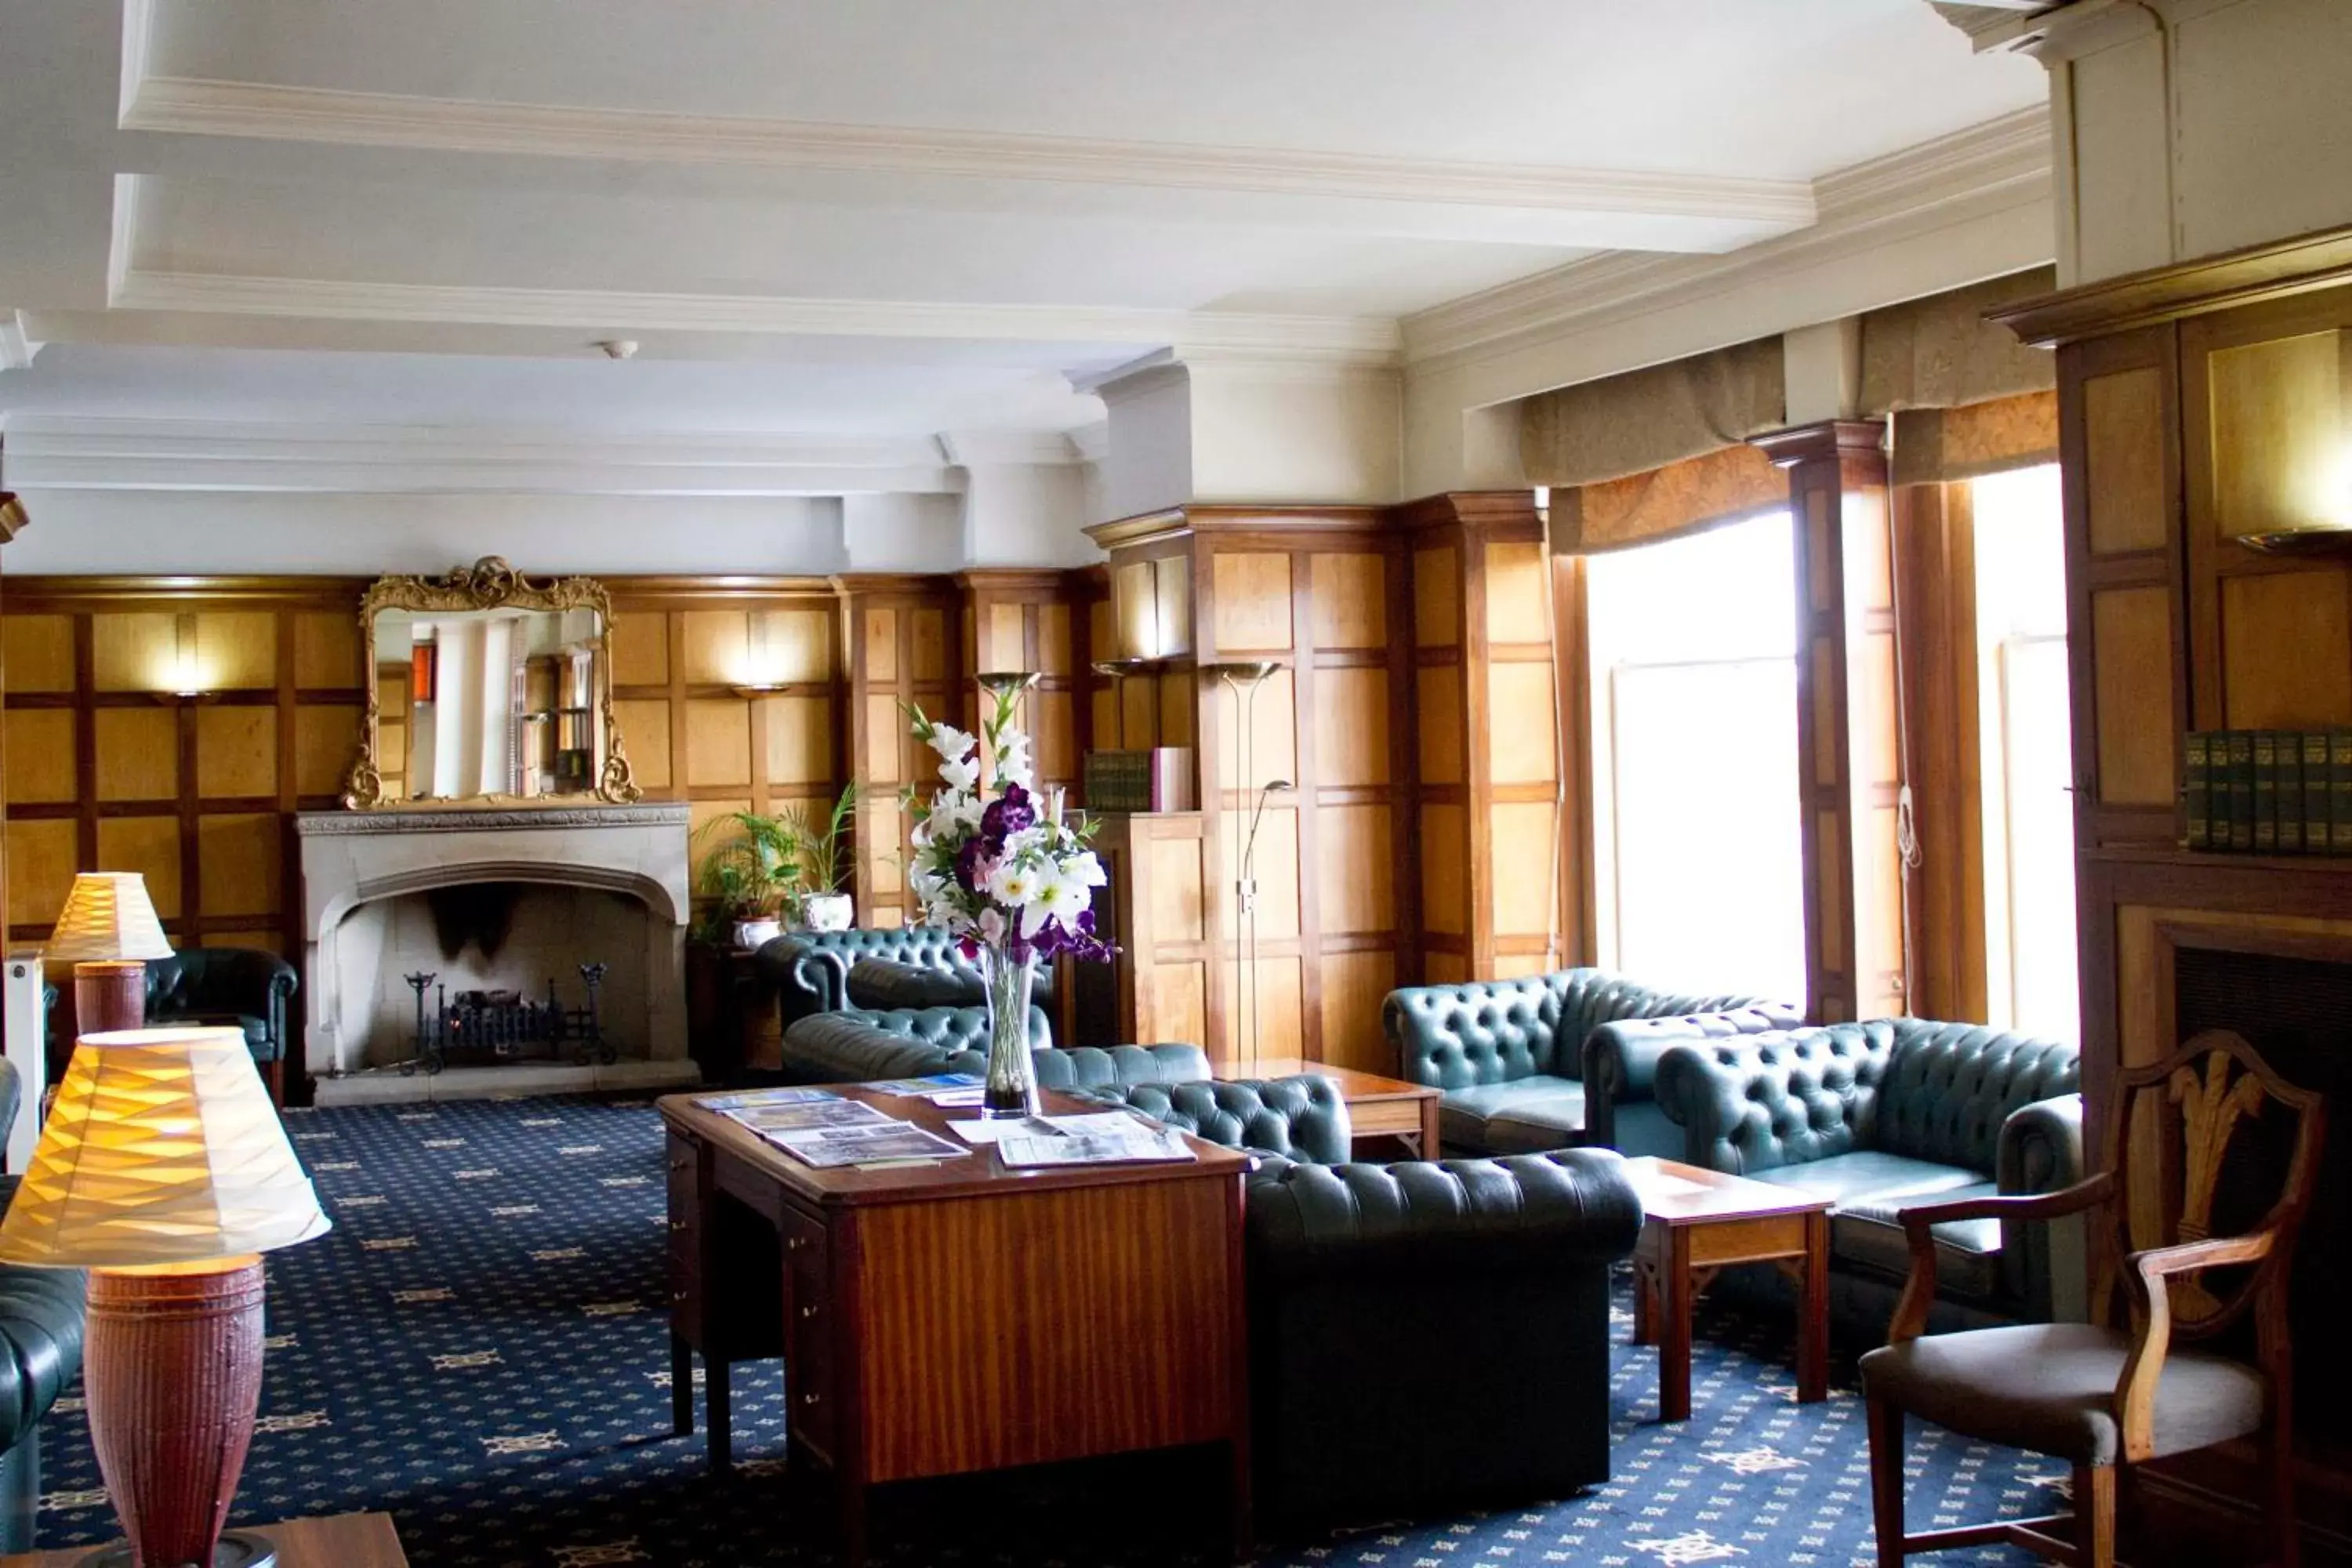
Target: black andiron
505,1025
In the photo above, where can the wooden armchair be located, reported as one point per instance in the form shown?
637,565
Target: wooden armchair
2104,1398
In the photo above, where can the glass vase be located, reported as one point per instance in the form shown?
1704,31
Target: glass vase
1012,1076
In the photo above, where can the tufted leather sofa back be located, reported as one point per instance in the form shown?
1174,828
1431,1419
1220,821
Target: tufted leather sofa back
1494,1031
1089,1067
1949,1087
1302,1118
809,970
946,1028
1753,1102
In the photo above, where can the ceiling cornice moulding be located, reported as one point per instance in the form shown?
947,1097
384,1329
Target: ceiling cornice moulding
1369,339
75,452
206,106
2002,162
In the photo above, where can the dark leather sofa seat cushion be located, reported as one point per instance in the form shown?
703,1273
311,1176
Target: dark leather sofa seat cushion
1542,1112
2051,1387
1870,1235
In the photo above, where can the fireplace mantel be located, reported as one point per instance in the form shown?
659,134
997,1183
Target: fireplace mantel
352,858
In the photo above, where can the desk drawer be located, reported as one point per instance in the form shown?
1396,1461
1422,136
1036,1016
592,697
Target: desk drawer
809,1324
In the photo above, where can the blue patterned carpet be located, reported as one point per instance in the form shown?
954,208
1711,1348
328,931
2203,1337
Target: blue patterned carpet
479,1349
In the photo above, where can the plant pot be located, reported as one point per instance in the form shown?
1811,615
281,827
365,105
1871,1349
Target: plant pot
752,935
827,911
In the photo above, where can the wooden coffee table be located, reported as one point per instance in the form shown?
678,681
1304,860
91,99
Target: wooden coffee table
1695,1221
345,1540
1376,1107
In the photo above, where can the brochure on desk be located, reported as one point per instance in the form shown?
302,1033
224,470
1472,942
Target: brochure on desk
1102,1138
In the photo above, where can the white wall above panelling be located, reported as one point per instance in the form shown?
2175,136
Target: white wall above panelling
75,531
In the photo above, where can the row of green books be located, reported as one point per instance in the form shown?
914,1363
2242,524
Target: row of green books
2268,792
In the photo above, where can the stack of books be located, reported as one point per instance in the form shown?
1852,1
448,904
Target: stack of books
2267,792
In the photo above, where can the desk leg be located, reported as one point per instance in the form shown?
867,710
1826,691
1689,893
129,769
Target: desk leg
849,1500
1244,1519
1814,1314
1431,1148
722,1420
681,1387
1674,1332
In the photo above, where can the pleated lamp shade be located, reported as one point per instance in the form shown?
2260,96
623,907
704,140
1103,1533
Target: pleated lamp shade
162,1148
107,915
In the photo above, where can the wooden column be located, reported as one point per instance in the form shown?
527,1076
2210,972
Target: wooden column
1848,767
898,647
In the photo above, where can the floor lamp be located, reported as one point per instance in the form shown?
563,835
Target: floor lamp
1241,676
108,931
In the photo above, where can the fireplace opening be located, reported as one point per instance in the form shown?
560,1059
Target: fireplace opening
496,973
2297,1012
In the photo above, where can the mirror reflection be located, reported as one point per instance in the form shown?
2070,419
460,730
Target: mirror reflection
499,701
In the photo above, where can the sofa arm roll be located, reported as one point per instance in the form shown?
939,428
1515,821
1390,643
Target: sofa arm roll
1312,1222
1621,1056
2041,1147
841,1047
1076,1068
807,979
1303,1118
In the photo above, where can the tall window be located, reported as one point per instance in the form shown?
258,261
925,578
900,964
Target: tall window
2026,747
1697,859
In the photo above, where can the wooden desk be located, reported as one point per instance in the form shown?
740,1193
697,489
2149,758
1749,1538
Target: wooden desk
1376,1107
1695,1221
345,1540
956,1317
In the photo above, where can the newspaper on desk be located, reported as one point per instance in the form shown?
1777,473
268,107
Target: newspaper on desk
1100,1137
878,1142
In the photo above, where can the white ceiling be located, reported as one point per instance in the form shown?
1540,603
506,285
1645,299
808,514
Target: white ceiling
887,217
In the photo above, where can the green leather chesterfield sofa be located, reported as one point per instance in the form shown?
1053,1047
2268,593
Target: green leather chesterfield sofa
824,971
1894,1111
242,987
1355,1271
854,1046
1532,1064
41,1315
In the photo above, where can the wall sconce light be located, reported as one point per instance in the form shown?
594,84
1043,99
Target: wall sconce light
185,678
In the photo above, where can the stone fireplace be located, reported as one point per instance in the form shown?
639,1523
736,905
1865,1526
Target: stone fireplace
493,898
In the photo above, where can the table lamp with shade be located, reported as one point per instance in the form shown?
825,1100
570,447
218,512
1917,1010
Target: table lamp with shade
108,931
163,1170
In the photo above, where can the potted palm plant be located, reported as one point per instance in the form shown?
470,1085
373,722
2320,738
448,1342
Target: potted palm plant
750,876
815,901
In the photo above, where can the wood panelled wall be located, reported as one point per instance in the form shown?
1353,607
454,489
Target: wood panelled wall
753,693
687,653
107,768
1488,802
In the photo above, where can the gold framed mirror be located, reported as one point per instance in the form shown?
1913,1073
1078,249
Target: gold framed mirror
487,689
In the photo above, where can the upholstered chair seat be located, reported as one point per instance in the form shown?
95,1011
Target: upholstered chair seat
2051,1387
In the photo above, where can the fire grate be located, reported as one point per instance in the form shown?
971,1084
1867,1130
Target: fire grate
503,1026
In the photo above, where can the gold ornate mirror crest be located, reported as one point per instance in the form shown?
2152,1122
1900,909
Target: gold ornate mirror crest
500,691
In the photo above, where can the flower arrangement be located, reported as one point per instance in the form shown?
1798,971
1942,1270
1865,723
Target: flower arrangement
989,865
1012,882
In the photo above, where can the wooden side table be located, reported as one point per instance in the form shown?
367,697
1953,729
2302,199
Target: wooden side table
1376,1107
1695,1221
344,1540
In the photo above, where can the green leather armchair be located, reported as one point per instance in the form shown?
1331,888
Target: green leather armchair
41,1317
1894,1111
1355,1271
1511,1055
241,988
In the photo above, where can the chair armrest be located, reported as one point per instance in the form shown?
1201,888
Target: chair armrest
1572,1206
2145,1274
1919,1220
1620,1057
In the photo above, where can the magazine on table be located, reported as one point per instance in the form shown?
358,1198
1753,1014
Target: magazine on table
743,1099
774,1118
875,1143
931,1085
1099,1124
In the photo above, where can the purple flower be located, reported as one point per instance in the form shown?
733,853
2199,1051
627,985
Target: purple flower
966,865
1011,813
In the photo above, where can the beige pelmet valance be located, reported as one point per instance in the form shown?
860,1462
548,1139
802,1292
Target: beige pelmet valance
1940,351
1646,419
1681,498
